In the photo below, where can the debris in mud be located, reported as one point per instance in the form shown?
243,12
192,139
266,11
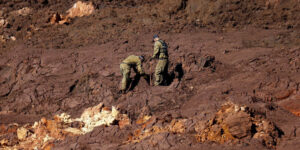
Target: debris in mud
234,123
81,9
23,12
68,68
5,38
60,19
149,126
123,121
3,23
206,61
13,38
22,133
41,134
2,38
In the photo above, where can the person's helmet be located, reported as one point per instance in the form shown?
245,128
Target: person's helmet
155,36
142,58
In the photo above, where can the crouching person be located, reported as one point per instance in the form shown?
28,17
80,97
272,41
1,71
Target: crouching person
134,62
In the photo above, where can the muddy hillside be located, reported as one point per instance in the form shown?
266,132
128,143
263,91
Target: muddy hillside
233,74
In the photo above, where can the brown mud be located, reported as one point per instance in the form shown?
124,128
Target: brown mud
233,73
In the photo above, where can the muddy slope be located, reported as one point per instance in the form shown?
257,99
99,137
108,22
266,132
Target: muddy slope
119,20
233,72
41,83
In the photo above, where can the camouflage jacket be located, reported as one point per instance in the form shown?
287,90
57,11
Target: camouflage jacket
160,50
134,61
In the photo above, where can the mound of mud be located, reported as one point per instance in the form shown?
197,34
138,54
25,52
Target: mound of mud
233,122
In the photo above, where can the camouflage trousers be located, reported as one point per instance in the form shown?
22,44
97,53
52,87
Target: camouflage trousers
161,70
125,71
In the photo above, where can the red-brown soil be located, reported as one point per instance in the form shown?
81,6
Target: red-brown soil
242,52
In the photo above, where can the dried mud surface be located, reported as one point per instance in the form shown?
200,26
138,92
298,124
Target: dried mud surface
233,74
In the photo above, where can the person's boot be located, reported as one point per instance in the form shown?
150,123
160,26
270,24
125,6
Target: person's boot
122,92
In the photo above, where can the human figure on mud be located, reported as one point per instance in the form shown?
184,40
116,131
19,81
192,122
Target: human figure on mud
134,62
160,53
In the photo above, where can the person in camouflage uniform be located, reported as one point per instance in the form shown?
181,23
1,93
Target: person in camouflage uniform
134,62
160,53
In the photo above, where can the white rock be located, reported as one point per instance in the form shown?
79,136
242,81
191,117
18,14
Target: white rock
80,9
236,108
23,12
2,22
22,133
13,38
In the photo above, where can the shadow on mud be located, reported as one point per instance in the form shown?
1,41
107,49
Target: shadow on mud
176,73
135,82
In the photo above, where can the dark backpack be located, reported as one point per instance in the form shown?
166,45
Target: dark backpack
164,47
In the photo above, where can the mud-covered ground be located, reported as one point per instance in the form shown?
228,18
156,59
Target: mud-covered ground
233,72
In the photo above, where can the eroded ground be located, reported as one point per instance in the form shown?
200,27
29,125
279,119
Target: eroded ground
233,86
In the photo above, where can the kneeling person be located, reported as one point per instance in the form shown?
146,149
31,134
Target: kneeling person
134,62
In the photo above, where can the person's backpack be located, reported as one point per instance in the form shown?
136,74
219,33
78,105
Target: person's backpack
164,47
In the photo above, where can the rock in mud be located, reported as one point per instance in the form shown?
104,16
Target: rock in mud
59,19
206,61
234,123
23,12
13,38
80,9
2,23
22,133
239,125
